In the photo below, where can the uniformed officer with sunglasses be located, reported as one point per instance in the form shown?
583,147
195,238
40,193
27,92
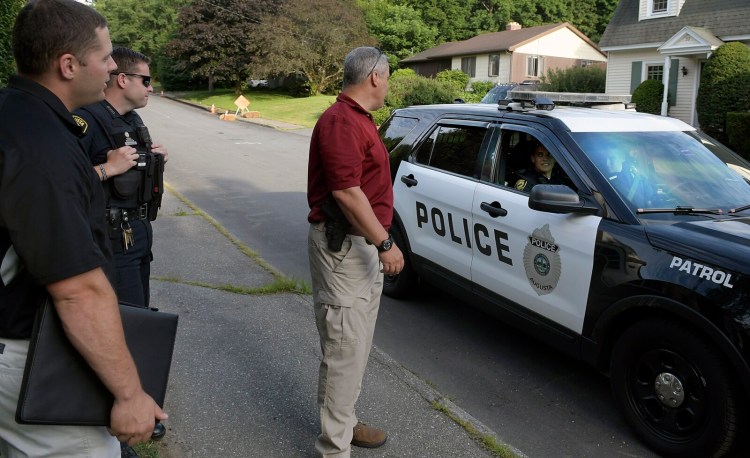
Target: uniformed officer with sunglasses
130,167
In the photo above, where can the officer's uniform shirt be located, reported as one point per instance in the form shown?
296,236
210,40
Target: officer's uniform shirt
107,130
121,130
527,179
51,203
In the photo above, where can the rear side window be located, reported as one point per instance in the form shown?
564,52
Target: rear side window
453,149
395,129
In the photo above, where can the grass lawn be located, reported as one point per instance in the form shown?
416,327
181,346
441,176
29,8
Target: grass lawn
303,111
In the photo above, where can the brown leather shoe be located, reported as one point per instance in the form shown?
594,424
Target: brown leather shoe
368,437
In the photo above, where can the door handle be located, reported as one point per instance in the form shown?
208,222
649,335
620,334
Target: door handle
409,180
494,209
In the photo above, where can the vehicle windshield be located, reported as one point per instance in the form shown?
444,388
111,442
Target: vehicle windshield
653,170
499,92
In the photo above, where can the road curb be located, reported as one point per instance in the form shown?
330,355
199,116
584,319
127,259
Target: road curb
431,395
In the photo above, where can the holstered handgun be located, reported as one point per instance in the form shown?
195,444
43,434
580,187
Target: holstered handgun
336,224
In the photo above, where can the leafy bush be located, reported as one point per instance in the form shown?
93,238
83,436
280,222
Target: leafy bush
456,78
418,90
724,87
738,131
379,116
8,11
298,85
648,96
406,88
403,73
478,90
575,79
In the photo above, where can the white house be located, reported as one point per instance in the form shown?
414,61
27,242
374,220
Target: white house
514,55
670,40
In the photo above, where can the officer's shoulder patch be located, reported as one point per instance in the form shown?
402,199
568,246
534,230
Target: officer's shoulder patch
520,184
81,122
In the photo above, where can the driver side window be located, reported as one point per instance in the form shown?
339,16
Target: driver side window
527,161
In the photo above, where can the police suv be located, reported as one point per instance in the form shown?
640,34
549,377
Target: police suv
639,263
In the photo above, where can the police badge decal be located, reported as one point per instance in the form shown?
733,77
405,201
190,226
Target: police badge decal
542,261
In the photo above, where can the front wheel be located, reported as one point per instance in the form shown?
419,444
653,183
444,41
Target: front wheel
401,285
676,390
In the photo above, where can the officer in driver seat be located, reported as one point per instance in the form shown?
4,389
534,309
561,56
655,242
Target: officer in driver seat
632,175
131,169
544,171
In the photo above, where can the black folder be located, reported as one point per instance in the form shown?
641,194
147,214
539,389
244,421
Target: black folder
59,387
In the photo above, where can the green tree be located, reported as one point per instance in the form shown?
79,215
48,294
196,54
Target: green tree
724,87
143,25
449,17
310,39
218,40
8,11
399,28
462,19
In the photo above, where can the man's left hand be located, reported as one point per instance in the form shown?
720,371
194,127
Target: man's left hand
158,148
393,260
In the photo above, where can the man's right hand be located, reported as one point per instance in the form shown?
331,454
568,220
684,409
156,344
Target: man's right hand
132,419
121,160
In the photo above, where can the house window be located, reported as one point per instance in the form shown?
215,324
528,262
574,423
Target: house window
655,72
659,6
533,66
469,66
494,65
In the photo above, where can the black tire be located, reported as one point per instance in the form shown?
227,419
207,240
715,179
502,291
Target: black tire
703,418
403,284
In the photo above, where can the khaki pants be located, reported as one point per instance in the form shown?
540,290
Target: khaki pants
346,293
21,441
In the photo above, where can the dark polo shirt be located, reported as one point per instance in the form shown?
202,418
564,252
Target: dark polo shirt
52,224
346,151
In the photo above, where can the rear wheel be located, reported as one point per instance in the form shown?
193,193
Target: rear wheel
676,390
401,285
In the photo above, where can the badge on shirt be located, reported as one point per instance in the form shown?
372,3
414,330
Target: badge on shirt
129,141
81,122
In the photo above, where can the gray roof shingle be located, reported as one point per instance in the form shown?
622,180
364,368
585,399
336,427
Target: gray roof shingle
722,17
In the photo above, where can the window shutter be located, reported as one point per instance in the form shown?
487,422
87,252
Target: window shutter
636,71
674,70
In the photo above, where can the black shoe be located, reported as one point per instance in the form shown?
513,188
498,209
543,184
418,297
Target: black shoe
159,431
127,451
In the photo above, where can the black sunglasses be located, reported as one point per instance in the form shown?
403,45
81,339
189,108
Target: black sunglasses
145,78
380,53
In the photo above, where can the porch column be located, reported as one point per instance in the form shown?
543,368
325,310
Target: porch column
665,81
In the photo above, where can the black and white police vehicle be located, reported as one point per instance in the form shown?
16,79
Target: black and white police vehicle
638,264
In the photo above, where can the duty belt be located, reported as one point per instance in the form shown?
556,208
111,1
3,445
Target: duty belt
129,214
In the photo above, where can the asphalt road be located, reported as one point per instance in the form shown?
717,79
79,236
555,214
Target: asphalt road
252,180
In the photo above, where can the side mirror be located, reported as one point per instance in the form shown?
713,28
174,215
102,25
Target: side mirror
558,198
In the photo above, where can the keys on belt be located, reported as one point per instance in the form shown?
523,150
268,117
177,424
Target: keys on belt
119,223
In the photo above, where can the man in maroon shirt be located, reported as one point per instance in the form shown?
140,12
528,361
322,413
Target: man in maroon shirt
349,170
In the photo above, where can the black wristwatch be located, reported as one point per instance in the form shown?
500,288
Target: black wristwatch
386,244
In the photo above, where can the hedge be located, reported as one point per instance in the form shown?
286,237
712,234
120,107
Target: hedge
738,131
724,87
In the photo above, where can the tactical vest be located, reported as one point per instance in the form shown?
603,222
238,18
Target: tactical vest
143,183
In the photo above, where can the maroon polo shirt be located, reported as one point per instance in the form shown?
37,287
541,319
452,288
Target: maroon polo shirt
346,151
